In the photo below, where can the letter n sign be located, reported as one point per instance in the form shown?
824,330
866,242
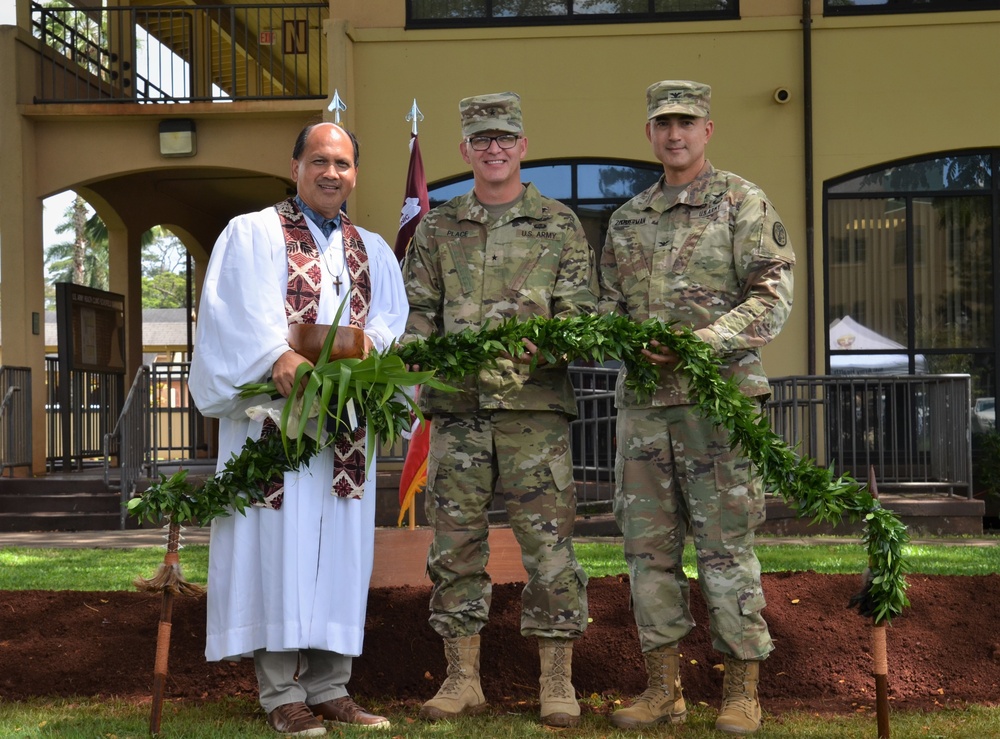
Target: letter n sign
296,37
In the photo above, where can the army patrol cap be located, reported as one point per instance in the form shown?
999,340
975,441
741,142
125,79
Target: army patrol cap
678,96
499,111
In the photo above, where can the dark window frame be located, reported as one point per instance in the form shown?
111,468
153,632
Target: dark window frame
992,191
572,162
900,7
492,21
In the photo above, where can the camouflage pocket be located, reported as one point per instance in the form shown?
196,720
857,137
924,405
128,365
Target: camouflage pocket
561,467
436,449
710,262
741,502
751,601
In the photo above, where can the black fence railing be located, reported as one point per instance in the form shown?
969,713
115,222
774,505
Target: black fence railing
175,422
592,433
75,435
915,430
181,54
15,419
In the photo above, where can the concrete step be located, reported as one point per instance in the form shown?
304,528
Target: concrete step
53,485
55,521
101,502
923,515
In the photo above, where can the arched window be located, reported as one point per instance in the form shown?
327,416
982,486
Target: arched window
593,188
910,265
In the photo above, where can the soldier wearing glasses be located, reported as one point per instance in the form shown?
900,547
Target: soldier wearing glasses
501,250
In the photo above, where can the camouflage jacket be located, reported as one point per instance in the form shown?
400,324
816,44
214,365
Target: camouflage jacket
461,270
717,259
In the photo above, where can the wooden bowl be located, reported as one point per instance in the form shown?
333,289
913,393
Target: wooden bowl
307,339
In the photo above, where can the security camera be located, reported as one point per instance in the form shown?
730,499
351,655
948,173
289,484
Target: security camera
782,95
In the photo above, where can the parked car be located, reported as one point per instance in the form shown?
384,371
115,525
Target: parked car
984,415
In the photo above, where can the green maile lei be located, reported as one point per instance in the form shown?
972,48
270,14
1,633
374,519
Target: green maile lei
378,386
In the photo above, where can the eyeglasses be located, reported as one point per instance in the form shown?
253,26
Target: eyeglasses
482,143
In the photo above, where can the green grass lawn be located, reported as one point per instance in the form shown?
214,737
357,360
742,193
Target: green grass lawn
23,568
114,569
239,718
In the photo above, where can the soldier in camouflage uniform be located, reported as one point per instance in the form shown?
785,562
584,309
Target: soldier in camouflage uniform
707,249
499,251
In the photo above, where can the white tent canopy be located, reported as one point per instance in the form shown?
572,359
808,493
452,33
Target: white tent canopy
848,334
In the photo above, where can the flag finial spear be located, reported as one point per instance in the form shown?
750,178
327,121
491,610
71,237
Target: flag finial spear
414,115
336,105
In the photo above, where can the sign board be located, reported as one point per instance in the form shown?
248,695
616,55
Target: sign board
91,328
266,38
296,37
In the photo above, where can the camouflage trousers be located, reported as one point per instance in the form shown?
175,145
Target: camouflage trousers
676,475
529,453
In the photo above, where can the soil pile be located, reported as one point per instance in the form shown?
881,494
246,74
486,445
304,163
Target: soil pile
944,650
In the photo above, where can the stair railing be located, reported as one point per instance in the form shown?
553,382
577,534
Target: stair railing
15,419
131,435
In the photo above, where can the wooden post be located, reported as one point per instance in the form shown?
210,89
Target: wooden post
160,666
879,653
881,680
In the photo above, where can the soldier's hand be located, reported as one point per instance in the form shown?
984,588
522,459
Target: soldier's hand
662,355
530,353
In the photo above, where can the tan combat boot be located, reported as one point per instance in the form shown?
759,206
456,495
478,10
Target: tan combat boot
740,712
662,701
558,698
460,693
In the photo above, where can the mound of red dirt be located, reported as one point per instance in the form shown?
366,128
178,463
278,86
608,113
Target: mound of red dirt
944,650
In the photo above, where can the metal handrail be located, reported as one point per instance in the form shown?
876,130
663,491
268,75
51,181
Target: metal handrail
203,53
8,399
132,432
15,418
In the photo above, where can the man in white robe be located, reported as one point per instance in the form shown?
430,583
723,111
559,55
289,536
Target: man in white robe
290,586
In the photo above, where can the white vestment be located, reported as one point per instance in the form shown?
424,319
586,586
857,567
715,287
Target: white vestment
296,577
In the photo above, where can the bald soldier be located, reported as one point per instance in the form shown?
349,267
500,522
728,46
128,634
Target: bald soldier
502,250
704,248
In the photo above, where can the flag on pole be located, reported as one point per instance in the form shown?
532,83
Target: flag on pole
415,200
415,205
414,476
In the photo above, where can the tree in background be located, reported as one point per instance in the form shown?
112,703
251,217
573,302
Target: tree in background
164,270
84,259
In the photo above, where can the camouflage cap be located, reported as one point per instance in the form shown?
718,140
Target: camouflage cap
678,96
499,111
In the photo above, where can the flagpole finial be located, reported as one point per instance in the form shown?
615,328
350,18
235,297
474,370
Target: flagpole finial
414,116
336,105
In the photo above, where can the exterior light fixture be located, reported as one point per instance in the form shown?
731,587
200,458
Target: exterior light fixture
177,138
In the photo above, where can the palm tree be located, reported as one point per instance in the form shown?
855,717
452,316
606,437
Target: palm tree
84,260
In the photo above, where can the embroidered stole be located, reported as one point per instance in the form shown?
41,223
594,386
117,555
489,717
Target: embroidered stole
305,273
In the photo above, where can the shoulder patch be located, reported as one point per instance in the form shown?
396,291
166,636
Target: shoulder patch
779,233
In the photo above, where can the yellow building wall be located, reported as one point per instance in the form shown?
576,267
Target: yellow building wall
583,95
883,88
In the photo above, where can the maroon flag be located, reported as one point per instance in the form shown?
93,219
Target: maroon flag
415,201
